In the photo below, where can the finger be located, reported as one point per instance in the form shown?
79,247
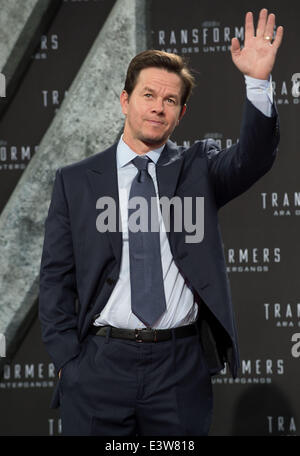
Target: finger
235,46
249,26
262,20
278,37
269,30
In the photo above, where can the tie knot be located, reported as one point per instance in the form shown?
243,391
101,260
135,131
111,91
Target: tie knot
141,162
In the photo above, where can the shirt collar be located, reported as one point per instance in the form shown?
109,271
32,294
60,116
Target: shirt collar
125,154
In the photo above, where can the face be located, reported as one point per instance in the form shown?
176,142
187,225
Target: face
153,109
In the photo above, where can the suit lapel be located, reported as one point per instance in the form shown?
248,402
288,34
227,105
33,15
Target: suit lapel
168,169
104,181
167,173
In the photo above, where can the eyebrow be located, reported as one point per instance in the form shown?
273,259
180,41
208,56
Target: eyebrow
148,89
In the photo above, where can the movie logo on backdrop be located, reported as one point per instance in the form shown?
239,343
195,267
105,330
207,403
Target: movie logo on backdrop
15,157
210,37
253,371
48,43
284,425
24,376
280,203
53,98
287,91
252,259
220,141
54,426
282,314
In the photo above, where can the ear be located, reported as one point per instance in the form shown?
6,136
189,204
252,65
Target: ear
124,101
183,111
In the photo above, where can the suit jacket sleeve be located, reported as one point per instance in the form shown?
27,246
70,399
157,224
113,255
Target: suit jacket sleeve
57,299
235,169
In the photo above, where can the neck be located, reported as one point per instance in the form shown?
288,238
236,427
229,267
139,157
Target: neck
140,147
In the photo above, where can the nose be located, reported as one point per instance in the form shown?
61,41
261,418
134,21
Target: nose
158,106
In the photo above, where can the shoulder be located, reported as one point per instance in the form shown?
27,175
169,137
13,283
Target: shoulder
93,162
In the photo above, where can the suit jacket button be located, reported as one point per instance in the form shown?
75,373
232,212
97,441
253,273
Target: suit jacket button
110,281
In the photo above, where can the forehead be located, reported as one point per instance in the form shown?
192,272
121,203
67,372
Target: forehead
159,79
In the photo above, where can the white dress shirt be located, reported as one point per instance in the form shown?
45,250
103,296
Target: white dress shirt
181,308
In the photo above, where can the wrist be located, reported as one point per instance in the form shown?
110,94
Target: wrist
264,77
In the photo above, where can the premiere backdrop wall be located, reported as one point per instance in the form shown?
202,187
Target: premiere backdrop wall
260,228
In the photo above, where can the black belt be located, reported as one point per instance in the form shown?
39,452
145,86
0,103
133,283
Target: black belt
144,334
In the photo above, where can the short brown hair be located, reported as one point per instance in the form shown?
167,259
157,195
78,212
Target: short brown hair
160,59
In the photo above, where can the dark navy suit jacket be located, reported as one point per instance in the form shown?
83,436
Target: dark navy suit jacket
80,266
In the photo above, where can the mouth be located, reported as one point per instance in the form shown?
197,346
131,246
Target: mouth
155,122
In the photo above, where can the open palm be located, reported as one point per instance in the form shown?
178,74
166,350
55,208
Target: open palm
258,55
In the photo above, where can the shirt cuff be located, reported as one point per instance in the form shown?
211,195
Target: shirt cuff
260,93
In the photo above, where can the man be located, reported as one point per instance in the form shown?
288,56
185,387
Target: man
137,321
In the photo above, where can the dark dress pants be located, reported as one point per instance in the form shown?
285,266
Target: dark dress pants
117,387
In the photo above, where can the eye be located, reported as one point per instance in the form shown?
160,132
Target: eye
148,95
171,101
